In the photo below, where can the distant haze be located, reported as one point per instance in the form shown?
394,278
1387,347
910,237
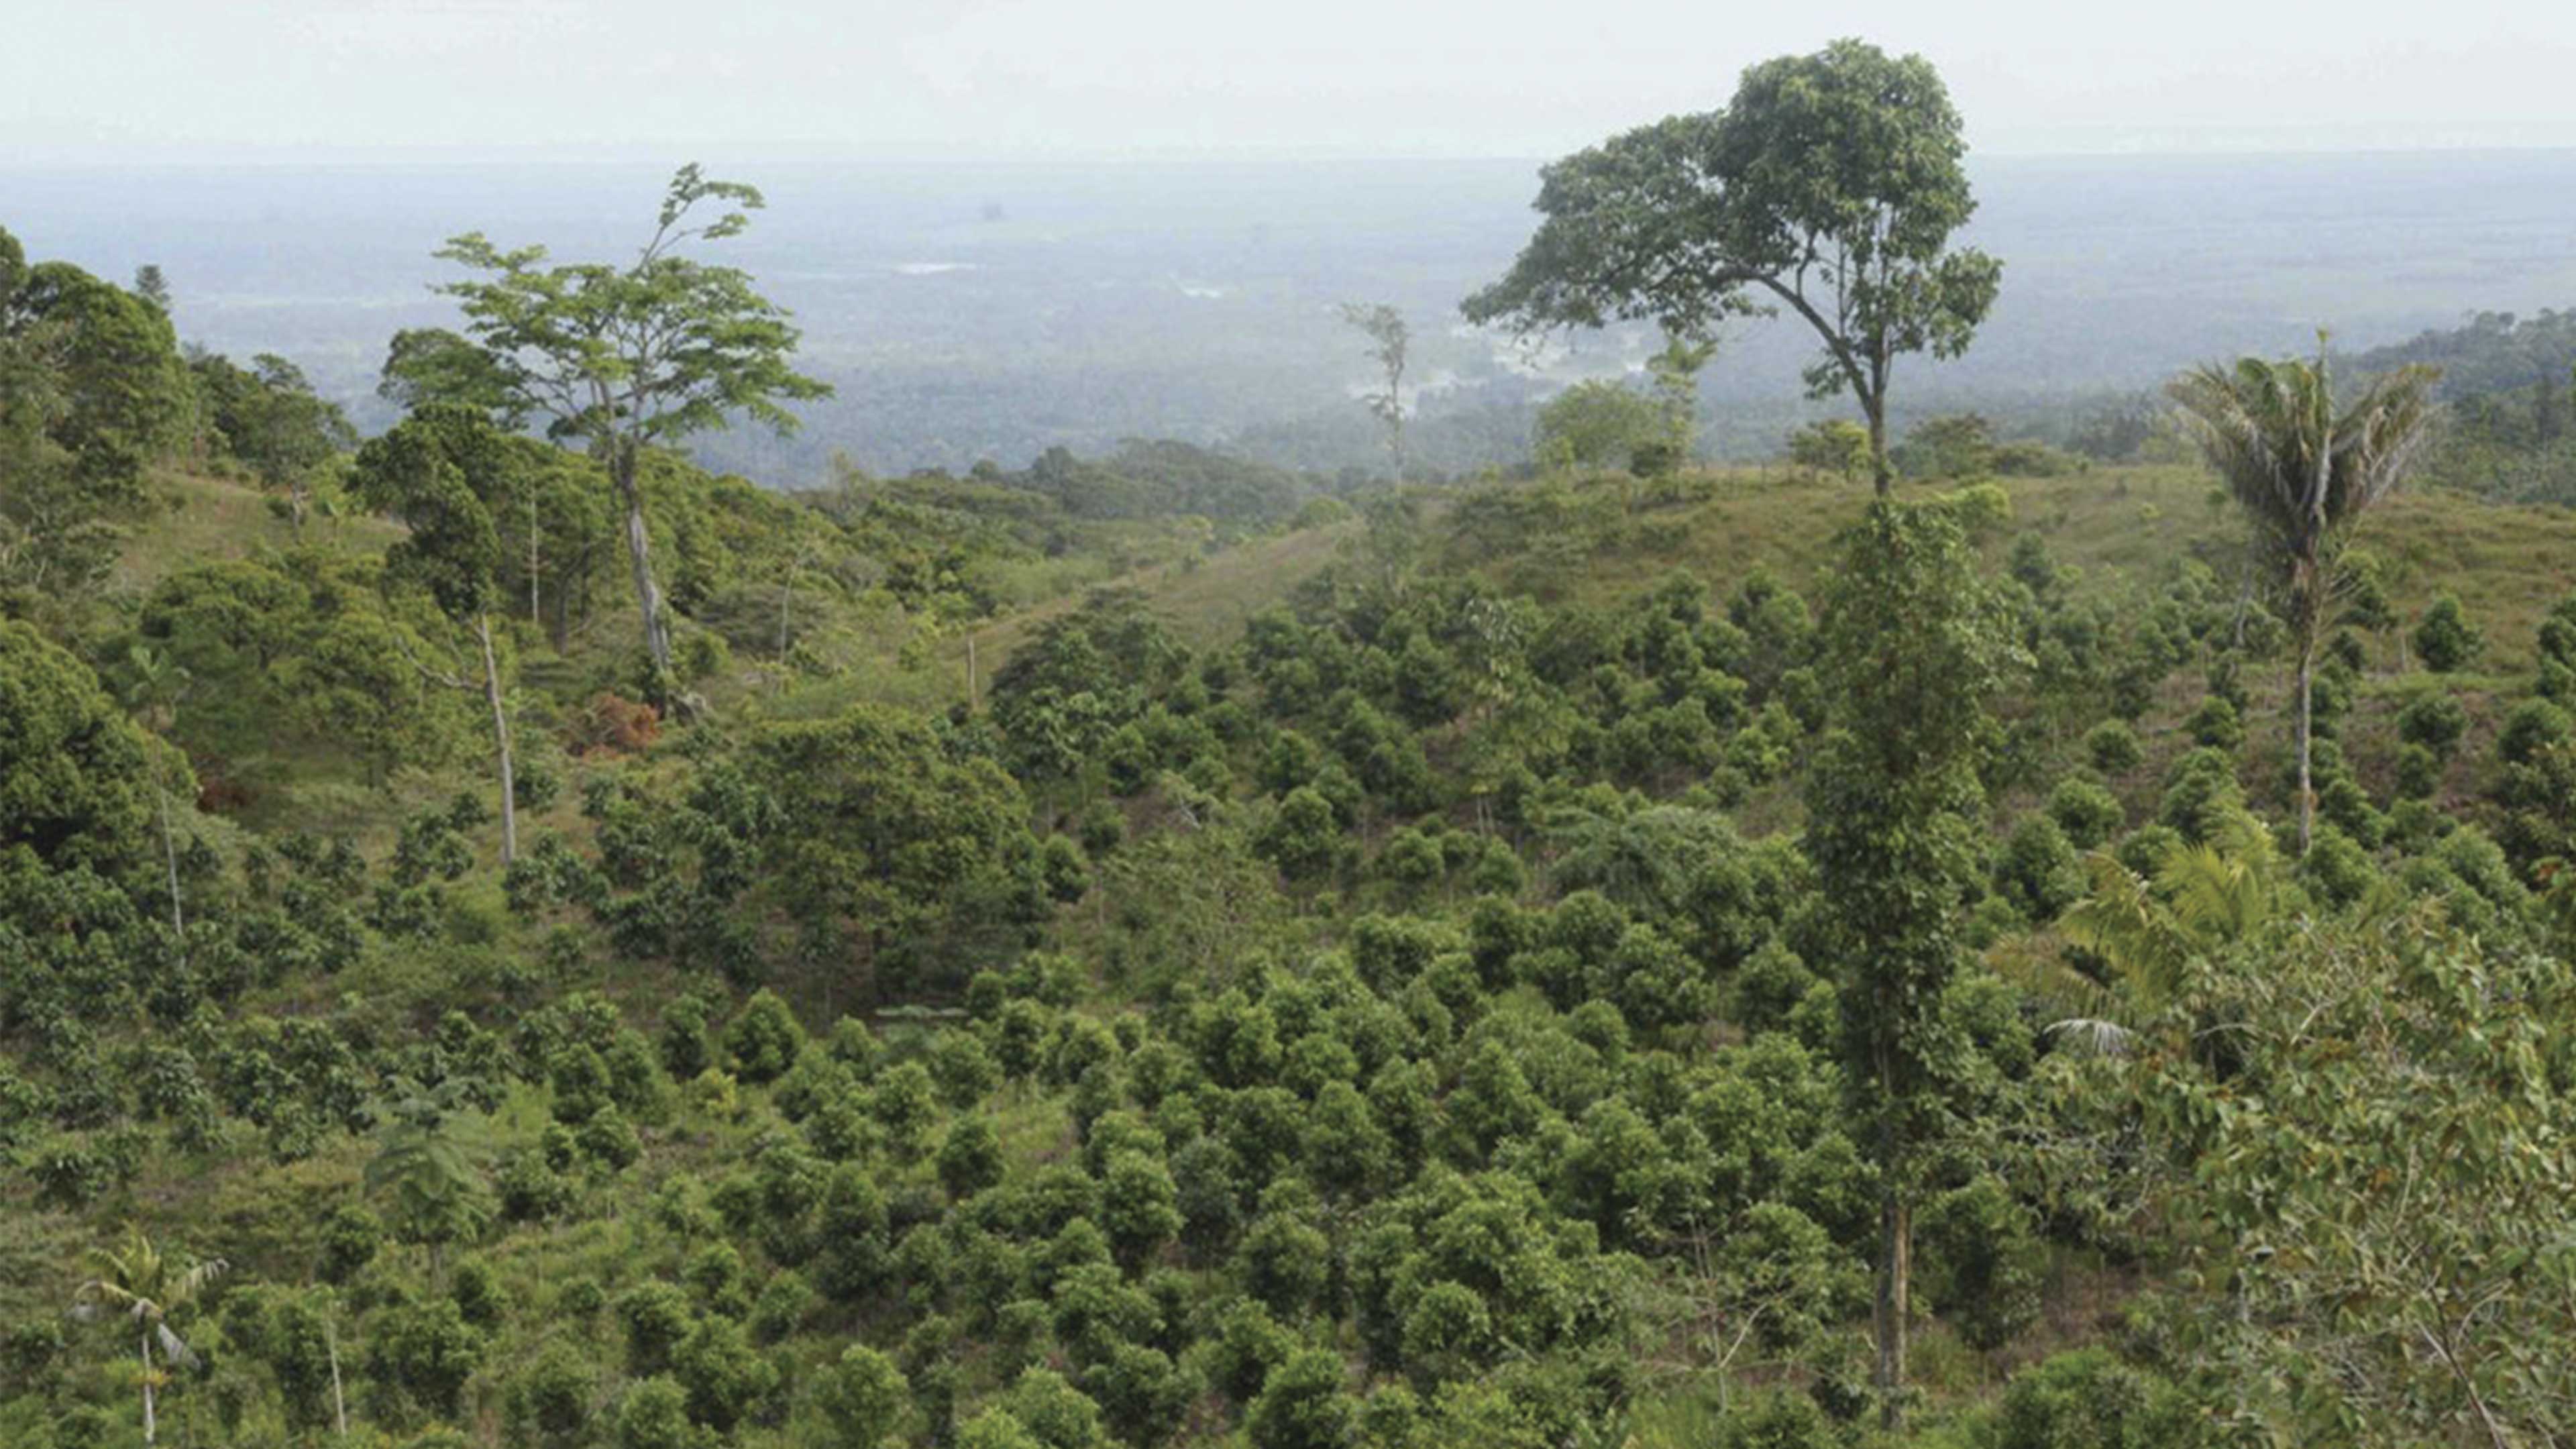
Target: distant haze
986,310
159,80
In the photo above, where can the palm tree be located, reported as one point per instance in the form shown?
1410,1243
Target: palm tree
426,1166
2304,476
145,1286
2151,934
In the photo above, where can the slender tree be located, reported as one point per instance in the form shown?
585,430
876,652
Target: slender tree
155,683
441,471
1675,374
144,1286
1913,648
1830,186
620,359
1389,342
2304,475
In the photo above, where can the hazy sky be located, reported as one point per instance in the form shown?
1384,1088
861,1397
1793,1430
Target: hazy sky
144,79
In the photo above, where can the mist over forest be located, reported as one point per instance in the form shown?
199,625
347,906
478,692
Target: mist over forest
990,311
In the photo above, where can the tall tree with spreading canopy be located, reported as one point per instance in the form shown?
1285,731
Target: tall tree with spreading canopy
2305,474
620,358
1914,646
1829,186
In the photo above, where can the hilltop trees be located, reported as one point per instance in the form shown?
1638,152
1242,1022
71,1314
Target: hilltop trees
619,358
270,419
1596,424
2304,475
1830,186
90,390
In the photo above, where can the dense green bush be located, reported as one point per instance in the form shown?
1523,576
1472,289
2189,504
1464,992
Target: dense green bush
2445,639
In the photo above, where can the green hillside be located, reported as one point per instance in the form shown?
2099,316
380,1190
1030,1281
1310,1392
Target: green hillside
511,938
1173,893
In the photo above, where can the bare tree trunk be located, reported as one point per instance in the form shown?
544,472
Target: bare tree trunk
786,602
2307,793
534,613
170,860
339,1404
500,740
1895,1303
639,555
150,1428
1881,473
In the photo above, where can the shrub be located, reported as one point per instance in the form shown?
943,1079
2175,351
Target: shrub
970,1158
2419,773
864,1396
656,1315
351,1236
2198,789
655,1415
2089,1400
2088,813
1778,1419
766,1039
1304,1405
2113,748
1985,1261
552,1394
2337,867
2216,725
2037,871
721,1373
2534,725
2445,639
2435,722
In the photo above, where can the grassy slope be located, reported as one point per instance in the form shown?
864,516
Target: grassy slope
2506,563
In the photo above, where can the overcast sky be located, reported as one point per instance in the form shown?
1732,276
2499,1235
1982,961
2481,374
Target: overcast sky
182,79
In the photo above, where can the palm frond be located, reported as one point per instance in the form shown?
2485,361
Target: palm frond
2093,1036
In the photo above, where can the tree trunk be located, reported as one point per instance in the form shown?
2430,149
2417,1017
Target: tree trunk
170,861
786,605
535,615
339,1404
500,740
1881,473
1895,1303
2307,794
150,1429
639,554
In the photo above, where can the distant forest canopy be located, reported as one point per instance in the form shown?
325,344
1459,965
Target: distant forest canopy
2511,384
972,312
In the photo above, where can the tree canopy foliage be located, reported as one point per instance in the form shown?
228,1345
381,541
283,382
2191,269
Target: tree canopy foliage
1830,185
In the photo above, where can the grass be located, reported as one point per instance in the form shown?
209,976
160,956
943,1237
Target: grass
209,518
